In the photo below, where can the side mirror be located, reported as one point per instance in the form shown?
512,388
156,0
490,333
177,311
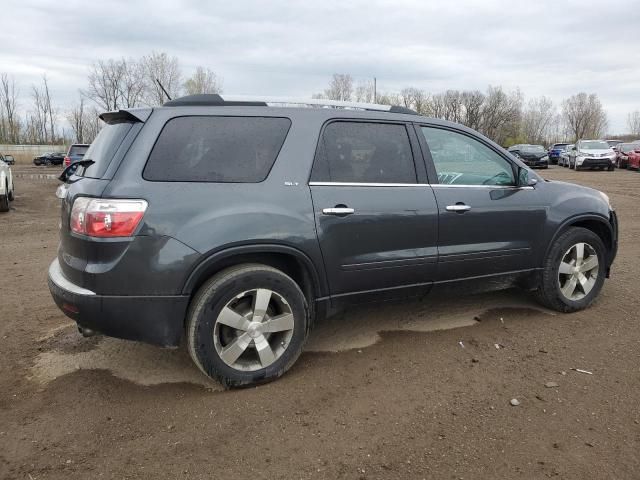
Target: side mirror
524,179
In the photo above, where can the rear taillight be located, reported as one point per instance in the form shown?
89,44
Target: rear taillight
67,161
106,217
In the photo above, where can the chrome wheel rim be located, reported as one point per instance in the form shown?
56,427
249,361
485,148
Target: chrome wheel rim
578,271
253,330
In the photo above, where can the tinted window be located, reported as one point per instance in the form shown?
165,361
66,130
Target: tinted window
216,149
103,149
462,160
78,150
364,153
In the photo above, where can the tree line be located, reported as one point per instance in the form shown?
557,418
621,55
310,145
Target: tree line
111,84
502,115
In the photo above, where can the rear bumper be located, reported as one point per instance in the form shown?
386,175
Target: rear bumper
157,320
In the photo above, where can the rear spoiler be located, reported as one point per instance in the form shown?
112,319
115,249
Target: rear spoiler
129,115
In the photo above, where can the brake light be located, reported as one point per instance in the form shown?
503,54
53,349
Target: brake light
67,161
106,217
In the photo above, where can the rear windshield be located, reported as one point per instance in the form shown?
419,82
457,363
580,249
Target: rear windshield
103,148
561,146
78,149
216,149
533,148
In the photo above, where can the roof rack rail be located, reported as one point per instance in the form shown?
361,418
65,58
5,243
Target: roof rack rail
251,101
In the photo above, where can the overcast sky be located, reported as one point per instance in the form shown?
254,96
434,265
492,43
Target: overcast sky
545,47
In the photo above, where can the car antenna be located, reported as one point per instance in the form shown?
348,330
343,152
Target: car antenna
163,89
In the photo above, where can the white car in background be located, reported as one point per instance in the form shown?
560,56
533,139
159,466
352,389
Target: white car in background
588,154
6,186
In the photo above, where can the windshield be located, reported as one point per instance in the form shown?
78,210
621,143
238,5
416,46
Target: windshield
533,148
103,148
628,147
594,145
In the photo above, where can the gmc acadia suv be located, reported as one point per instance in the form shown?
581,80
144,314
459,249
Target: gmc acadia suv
236,224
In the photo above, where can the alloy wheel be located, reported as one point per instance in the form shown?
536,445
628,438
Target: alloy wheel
253,330
578,271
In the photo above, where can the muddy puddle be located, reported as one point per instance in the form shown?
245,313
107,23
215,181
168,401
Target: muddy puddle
64,350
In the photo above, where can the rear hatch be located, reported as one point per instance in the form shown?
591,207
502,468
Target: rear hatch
79,255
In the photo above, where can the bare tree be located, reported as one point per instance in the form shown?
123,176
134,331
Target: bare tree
40,123
203,80
76,117
415,99
115,84
472,102
340,87
501,114
364,92
633,122
166,69
585,116
385,98
536,119
9,122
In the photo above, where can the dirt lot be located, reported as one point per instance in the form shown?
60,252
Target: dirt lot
381,392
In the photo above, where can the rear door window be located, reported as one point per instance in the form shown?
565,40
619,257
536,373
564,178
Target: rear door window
103,148
216,149
362,152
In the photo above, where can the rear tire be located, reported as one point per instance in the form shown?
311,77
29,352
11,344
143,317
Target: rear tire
232,334
553,280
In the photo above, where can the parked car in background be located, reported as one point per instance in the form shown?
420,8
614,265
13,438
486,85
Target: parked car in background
51,158
589,154
564,156
535,156
235,224
614,143
6,186
76,152
555,152
633,157
623,151
8,159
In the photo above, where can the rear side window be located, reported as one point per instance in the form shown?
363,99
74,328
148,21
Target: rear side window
103,148
217,149
360,152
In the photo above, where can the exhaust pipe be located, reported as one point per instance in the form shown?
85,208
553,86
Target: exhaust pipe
86,332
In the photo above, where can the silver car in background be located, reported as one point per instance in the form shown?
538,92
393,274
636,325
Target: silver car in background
589,154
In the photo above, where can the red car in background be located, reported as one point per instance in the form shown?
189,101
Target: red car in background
628,155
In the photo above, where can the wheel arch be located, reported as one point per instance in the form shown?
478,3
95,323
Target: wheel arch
290,260
593,222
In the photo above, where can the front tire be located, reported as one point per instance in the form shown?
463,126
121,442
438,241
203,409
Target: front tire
4,200
573,271
247,325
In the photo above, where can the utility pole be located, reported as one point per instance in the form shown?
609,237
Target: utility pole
375,97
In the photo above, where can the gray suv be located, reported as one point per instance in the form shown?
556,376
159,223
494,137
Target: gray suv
236,224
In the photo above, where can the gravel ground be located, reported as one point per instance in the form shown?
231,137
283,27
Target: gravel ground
412,390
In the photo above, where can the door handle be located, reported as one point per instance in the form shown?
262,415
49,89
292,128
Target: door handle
339,211
458,208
